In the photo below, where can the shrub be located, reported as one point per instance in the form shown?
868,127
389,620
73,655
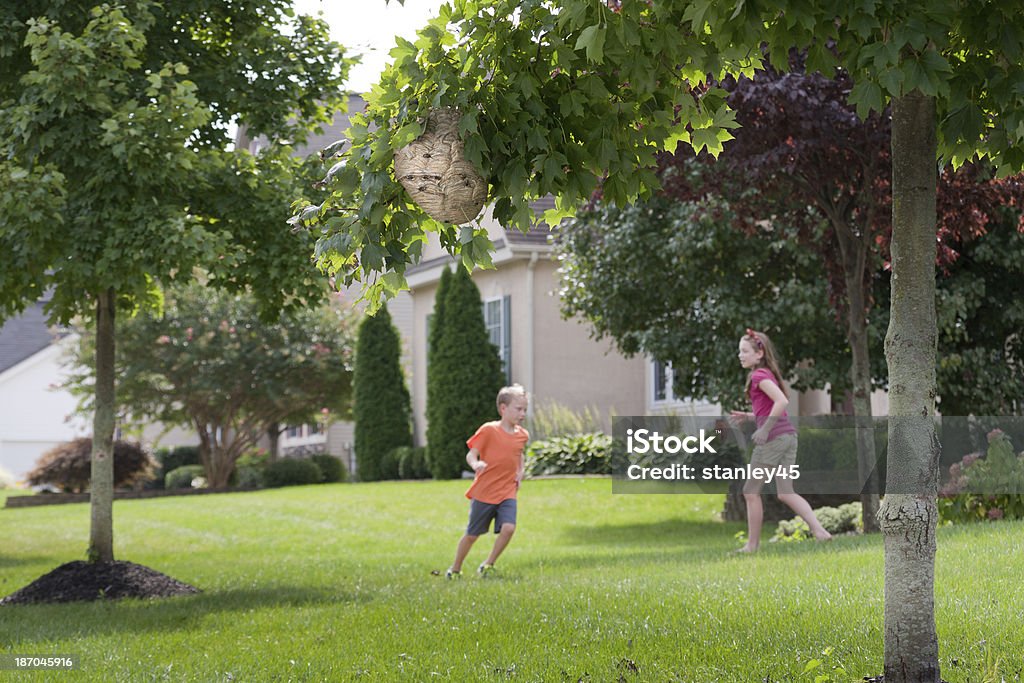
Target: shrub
68,465
464,374
836,520
381,409
331,467
412,463
985,488
292,472
183,477
249,477
248,472
169,459
388,465
576,454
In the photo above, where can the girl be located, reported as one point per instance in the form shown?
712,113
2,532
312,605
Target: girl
774,440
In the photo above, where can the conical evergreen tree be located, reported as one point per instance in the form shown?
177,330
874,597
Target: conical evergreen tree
434,386
464,375
381,409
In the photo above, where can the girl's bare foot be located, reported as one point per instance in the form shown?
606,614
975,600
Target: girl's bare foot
745,550
823,536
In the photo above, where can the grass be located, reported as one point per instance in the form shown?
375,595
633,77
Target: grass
334,583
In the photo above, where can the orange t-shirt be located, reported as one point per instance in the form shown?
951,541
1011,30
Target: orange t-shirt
502,453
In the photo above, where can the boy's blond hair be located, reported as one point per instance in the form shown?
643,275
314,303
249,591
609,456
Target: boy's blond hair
510,393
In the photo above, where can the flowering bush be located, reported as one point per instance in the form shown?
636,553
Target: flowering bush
844,519
985,488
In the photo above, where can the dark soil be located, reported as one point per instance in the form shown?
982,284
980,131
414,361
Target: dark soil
76,581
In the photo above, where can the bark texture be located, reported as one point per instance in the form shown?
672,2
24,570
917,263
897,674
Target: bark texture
909,514
101,485
854,249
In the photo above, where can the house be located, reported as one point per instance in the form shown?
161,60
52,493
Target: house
36,411
36,414
555,359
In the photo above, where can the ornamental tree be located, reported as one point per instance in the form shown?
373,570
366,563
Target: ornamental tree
114,129
381,411
463,376
559,96
210,361
676,280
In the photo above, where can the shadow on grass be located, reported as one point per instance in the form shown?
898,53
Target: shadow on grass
683,541
74,620
666,532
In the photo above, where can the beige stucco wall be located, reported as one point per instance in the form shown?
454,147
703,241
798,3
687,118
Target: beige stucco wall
572,368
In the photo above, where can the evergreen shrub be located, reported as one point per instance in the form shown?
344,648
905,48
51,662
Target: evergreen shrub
381,409
464,374
292,472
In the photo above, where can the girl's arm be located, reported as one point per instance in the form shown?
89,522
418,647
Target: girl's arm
779,403
738,417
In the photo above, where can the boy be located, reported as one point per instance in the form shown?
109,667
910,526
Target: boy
496,456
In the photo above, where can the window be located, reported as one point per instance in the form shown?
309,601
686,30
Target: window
661,384
497,320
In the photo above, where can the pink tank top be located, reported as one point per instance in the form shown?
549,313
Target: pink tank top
763,404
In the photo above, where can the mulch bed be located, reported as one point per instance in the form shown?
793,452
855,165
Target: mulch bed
77,581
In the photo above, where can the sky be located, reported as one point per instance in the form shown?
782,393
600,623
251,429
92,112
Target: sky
370,27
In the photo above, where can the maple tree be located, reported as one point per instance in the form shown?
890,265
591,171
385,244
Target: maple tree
117,169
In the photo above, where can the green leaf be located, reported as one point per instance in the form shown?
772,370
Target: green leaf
372,256
406,134
812,665
394,282
592,38
867,97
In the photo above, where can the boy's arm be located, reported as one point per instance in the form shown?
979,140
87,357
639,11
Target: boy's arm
520,469
474,461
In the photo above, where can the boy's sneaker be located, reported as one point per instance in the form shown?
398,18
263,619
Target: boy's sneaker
485,570
449,574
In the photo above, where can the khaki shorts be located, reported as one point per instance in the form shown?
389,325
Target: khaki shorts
779,451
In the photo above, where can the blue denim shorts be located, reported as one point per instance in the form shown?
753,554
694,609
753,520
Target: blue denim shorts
481,514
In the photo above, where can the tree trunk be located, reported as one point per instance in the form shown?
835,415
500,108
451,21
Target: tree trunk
222,464
860,375
101,485
909,513
274,435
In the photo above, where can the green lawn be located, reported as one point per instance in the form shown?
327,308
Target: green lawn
334,583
